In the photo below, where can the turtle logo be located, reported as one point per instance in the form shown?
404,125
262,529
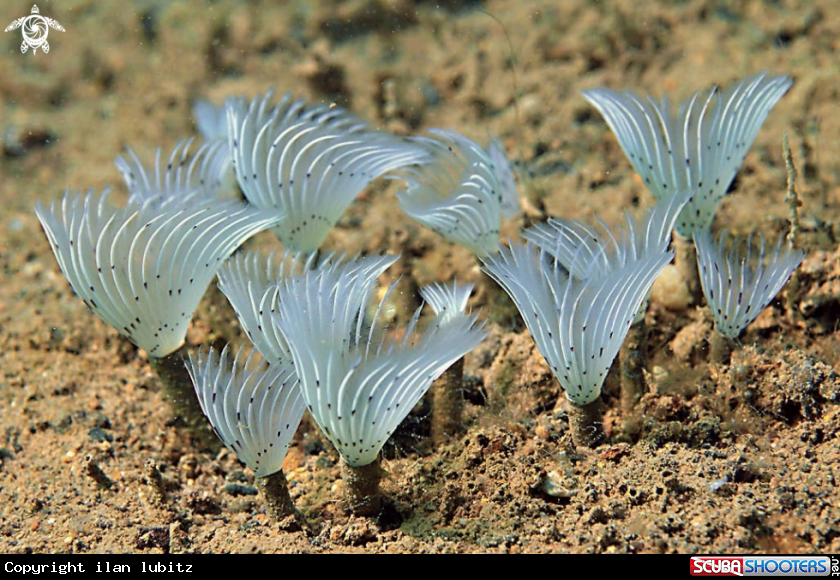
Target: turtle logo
35,29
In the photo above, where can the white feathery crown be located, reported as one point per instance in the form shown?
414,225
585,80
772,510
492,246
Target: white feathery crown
579,320
143,269
462,192
199,176
698,149
582,249
448,301
249,281
309,161
735,291
359,385
254,408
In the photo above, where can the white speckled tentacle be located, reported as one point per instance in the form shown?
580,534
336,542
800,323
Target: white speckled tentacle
359,388
580,247
578,323
458,193
311,162
198,177
597,314
144,269
447,300
698,149
504,171
537,288
255,408
407,372
735,292
249,281
574,244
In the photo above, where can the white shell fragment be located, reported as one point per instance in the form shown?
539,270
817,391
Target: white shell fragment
358,383
254,408
738,287
309,161
699,148
143,269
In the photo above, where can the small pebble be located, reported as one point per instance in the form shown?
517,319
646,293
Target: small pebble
240,489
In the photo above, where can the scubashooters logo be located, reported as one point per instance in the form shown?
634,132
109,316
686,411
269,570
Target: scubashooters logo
761,565
35,29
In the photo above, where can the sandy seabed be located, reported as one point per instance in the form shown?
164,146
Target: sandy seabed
712,459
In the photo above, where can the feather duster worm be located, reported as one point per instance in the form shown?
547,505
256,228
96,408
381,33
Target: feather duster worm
255,409
580,312
578,247
358,384
462,192
698,149
738,287
310,162
143,269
